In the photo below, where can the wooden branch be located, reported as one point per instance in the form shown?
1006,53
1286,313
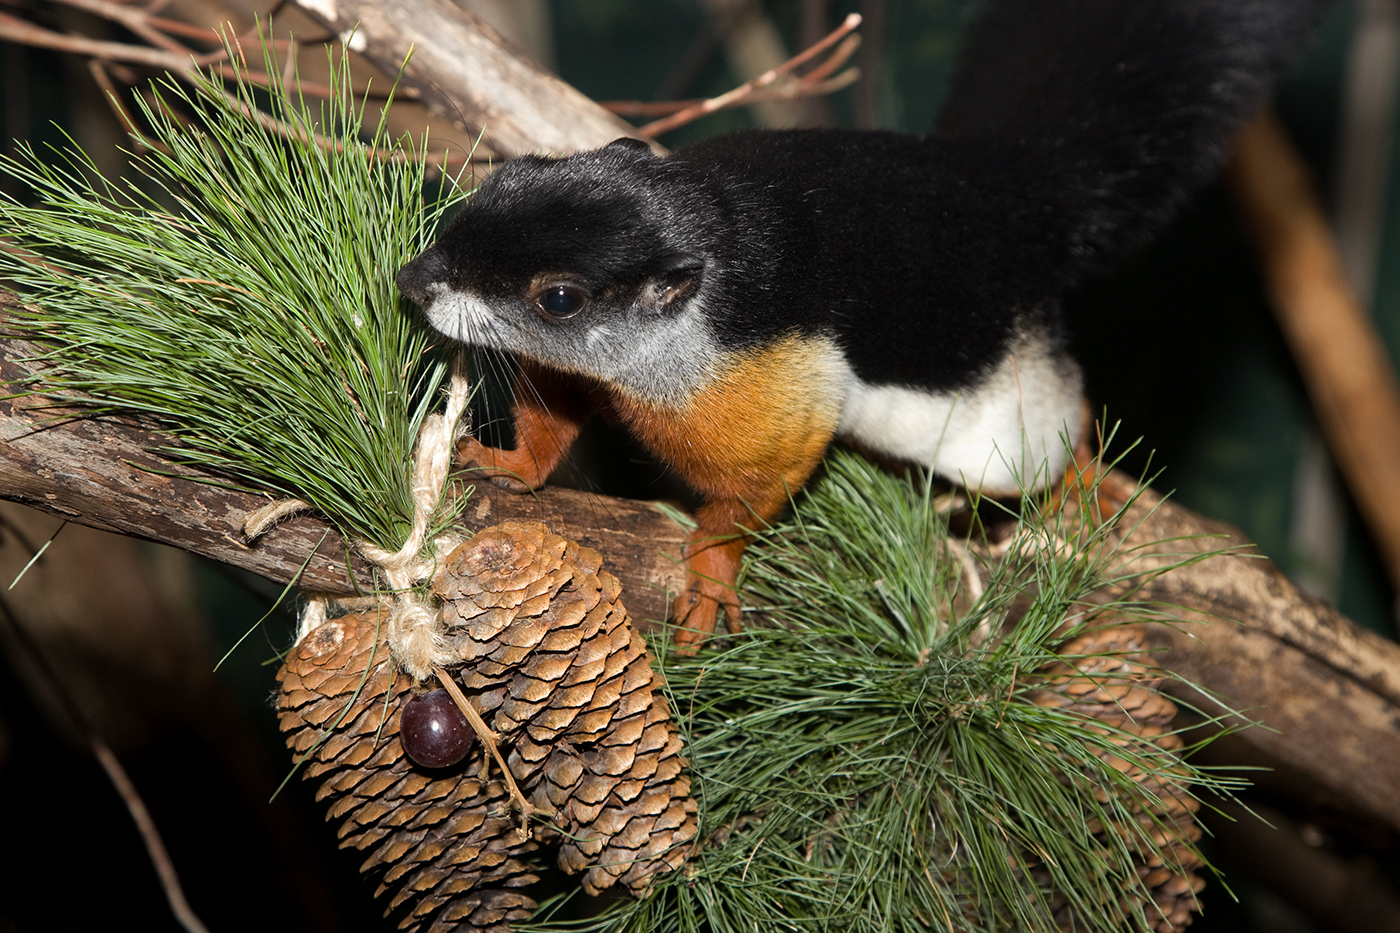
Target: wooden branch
1329,689
1342,358
1325,691
464,73
102,473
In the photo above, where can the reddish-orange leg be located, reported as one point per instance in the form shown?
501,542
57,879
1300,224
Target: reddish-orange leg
712,559
549,409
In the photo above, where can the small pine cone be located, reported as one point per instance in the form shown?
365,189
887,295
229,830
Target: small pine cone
444,845
552,661
1103,681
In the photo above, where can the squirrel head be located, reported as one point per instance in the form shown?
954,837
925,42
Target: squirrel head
594,264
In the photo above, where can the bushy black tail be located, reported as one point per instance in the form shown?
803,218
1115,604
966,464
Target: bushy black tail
1095,118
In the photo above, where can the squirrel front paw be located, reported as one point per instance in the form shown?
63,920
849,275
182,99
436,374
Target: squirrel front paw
504,468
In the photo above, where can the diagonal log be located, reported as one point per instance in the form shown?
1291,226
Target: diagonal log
464,73
102,472
1326,691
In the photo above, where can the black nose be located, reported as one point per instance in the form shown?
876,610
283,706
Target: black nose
417,278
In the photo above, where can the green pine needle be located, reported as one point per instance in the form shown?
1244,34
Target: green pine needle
868,760
241,292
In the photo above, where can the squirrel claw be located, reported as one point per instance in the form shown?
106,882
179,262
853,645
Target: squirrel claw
486,462
697,610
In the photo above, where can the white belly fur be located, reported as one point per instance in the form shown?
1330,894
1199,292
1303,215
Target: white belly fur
1007,435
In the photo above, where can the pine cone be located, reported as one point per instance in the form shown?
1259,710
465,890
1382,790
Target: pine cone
446,844
552,663
1103,682
556,669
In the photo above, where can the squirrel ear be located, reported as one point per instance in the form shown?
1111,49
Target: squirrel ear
629,142
679,263
675,275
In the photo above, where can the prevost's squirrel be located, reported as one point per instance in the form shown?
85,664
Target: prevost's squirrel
742,301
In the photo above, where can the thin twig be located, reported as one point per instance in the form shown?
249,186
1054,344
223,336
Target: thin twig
13,29
743,93
793,91
488,738
835,60
140,815
150,835
175,58
133,18
98,68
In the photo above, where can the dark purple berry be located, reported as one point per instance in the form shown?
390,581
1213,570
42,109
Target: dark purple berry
434,732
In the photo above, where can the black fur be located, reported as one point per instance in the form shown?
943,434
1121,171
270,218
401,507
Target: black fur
1073,132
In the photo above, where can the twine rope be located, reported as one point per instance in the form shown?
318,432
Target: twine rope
414,635
415,638
260,520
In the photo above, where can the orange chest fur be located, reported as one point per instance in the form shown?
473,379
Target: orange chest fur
766,418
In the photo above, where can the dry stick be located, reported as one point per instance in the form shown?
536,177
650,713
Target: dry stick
150,834
17,30
176,59
806,87
443,160
488,738
1339,353
835,60
748,87
98,68
133,18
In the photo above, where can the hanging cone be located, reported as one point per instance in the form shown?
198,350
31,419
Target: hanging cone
1110,686
556,669
444,845
552,663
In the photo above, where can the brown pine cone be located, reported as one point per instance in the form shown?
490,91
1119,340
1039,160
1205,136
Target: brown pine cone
1103,680
557,670
445,845
552,663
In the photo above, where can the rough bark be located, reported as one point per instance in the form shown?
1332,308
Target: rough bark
466,74
1325,692
102,472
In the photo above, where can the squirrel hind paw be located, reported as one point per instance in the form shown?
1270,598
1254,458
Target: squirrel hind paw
697,610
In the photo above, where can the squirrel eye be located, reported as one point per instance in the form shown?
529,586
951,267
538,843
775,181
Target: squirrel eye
562,301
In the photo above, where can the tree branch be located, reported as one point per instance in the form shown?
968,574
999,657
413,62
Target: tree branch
102,472
1328,688
466,74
